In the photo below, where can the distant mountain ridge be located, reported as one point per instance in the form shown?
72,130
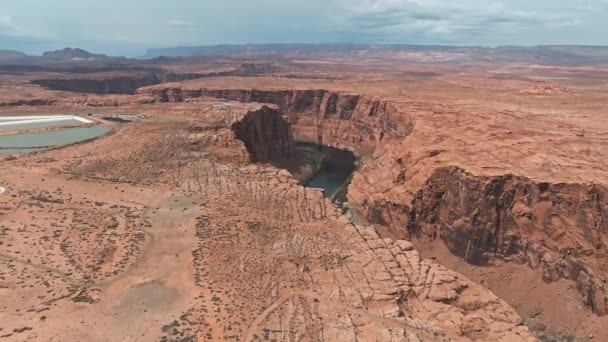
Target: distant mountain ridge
542,54
71,54
7,55
566,54
220,50
64,55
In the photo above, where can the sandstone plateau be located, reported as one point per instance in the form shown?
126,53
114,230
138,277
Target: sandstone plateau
478,211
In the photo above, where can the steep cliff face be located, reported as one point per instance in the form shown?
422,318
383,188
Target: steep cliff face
356,122
266,135
560,229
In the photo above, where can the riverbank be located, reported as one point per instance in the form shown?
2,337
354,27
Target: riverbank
334,173
323,167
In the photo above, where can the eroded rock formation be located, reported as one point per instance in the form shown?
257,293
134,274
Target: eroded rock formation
345,120
559,229
266,135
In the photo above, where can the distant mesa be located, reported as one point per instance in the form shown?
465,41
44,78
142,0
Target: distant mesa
8,55
65,55
72,54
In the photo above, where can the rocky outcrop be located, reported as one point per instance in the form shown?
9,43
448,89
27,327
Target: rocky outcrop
321,278
28,102
352,121
266,135
560,229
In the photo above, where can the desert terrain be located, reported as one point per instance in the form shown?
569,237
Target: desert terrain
478,210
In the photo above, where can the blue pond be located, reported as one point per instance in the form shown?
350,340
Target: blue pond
36,141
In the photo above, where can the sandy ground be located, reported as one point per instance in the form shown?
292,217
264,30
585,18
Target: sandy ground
15,120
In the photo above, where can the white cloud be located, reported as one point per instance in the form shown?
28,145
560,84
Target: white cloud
181,24
94,23
9,30
446,18
7,27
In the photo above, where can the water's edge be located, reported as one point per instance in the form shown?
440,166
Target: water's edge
331,169
37,141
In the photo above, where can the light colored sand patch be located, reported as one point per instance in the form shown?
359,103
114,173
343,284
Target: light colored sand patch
2,190
32,117
19,120
82,119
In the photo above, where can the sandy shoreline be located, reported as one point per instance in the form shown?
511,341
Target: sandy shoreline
14,120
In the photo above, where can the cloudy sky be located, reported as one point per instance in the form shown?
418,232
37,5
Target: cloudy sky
130,26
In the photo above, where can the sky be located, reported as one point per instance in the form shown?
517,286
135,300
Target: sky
129,27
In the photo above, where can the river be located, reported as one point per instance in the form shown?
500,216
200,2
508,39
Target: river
332,169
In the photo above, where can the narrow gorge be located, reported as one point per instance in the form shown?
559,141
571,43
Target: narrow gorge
557,229
351,121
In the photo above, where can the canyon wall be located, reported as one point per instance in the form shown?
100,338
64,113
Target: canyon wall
266,135
356,122
559,229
